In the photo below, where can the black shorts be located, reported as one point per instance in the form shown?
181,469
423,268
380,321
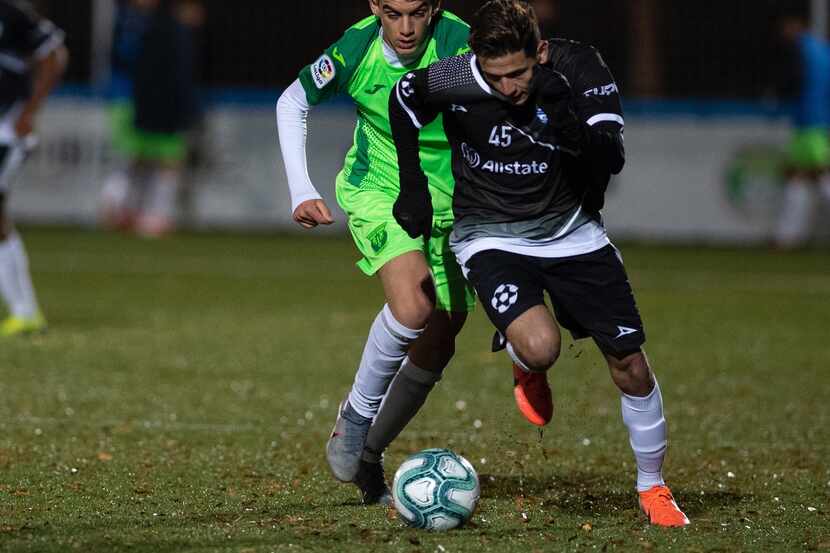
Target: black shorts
590,294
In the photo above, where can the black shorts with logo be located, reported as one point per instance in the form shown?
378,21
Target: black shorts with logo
590,294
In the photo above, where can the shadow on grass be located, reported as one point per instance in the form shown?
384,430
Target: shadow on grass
590,494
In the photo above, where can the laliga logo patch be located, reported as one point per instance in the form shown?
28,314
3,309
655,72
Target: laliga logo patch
322,71
504,297
470,155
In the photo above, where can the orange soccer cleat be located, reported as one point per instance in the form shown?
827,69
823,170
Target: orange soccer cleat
532,395
659,506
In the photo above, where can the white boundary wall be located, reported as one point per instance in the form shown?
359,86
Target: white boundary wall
670,190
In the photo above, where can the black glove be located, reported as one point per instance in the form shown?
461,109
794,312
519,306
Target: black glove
413,210
554,95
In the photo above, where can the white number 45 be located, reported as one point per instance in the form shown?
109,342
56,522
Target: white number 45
502,139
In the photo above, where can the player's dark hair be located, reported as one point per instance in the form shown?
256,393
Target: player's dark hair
434,4
502,27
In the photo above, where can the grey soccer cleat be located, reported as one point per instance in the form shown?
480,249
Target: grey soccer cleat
371,480
346,442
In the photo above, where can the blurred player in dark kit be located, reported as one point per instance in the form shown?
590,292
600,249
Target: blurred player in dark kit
32,61
808,160
536,129
159,62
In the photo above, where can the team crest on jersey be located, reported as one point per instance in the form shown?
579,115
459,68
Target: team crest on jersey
470,155
542,116
378,238
322,71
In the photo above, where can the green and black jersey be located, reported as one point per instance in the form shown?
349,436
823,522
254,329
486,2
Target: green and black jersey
357,66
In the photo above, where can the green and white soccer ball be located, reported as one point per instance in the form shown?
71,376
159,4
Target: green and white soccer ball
436,489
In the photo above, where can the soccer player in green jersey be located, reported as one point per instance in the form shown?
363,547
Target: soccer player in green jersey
427,299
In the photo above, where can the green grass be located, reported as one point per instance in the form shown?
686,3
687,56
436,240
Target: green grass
183,395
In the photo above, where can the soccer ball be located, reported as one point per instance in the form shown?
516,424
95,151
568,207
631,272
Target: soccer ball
436,489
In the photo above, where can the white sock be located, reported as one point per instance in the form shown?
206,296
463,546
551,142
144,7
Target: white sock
8,278
164,193
796,213
385,350
15,281
116,191
512,353
643,416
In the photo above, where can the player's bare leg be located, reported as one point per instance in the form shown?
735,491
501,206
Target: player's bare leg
420,371
407,284
642,412
533,342
16,286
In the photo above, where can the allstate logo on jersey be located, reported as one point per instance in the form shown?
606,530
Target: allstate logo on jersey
322,71
542,116
470,155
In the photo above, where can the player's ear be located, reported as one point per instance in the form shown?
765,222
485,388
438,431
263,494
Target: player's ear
543,51
374,5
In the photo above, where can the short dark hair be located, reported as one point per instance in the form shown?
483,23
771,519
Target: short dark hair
434,4
502,27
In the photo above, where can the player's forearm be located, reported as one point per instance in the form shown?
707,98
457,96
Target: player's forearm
48,73
405,134
600,145
292,126
605,147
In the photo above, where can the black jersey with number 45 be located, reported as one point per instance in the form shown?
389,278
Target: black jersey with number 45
513,178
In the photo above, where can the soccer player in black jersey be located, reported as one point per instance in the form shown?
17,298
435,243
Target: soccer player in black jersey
32,60
536,132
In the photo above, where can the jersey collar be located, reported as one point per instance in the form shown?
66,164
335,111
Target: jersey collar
482,82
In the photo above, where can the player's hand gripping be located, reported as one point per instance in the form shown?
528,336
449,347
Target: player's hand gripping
552,90
555,96
311,213
413,210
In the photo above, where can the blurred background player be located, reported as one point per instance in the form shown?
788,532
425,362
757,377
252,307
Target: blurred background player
427,298
32,61
536,131
156,59
123,189
808,163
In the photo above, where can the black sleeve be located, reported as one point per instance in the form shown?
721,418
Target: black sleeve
577,90
409,111
597,105
26,33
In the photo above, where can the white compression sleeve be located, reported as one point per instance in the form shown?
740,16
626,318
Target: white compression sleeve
647,434
292,116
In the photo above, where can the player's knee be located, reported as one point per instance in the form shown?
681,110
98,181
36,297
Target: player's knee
539,350
412,311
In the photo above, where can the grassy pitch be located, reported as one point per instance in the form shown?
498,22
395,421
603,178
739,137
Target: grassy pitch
183,395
